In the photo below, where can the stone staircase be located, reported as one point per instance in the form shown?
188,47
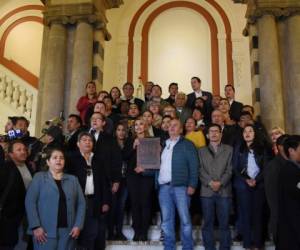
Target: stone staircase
155,244
17,98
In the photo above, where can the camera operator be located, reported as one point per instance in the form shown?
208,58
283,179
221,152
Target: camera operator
53,139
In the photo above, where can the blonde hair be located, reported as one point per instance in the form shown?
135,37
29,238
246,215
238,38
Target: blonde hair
276,128
181,94
146,132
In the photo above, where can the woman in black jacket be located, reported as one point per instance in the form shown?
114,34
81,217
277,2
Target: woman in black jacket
140,184
119,196
249,160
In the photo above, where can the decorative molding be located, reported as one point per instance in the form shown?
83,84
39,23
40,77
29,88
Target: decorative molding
18,10
74,13
240,1
254,13
109,4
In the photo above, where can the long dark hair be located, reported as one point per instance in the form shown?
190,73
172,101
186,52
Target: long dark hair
257,145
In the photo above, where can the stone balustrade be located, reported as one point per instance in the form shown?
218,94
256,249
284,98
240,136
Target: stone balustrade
17,97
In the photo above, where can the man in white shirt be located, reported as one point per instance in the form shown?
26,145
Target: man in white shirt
177,182
85,165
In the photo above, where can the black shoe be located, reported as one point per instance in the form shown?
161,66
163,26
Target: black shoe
136,237
121,237
144,237
238,238
110,237
177,236
162,236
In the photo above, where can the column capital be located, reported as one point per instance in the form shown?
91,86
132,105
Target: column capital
279,13
75,13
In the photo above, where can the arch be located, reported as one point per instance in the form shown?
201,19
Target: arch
20,9
214,39
12,65
228,39
131,34
226,23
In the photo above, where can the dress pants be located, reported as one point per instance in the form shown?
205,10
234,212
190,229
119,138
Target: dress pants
92,236
140,190
252,203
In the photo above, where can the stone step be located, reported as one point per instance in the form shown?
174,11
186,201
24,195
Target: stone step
155,244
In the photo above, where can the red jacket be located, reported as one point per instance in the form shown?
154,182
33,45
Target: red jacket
83,104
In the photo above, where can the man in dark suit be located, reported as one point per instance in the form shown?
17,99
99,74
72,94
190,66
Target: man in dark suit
90,172
106,150
229,132
15,177
235,107
2,156
74,127
271,179
288,233
128,90
182,112
173,90
207,96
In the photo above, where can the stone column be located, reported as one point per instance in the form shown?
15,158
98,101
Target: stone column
82,63
52,101
270,77
293,68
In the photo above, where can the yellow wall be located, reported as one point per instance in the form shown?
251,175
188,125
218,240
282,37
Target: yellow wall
179,47
24,45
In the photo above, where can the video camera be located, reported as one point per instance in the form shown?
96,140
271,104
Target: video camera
11,135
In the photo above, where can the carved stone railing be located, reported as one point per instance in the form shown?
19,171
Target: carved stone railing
17,97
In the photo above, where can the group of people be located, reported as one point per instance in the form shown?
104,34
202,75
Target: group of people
219,167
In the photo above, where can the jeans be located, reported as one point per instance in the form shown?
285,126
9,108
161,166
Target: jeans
222,206
171,198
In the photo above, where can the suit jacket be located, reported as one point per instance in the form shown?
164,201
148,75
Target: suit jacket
240,162
109,155
215,167
134,100
271,177
192,97
14,206
76,165
71,144
2,157
184,114
231,135
235,110
170,100
42,202
288,234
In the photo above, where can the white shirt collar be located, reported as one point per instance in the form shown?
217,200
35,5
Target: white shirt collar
89,161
